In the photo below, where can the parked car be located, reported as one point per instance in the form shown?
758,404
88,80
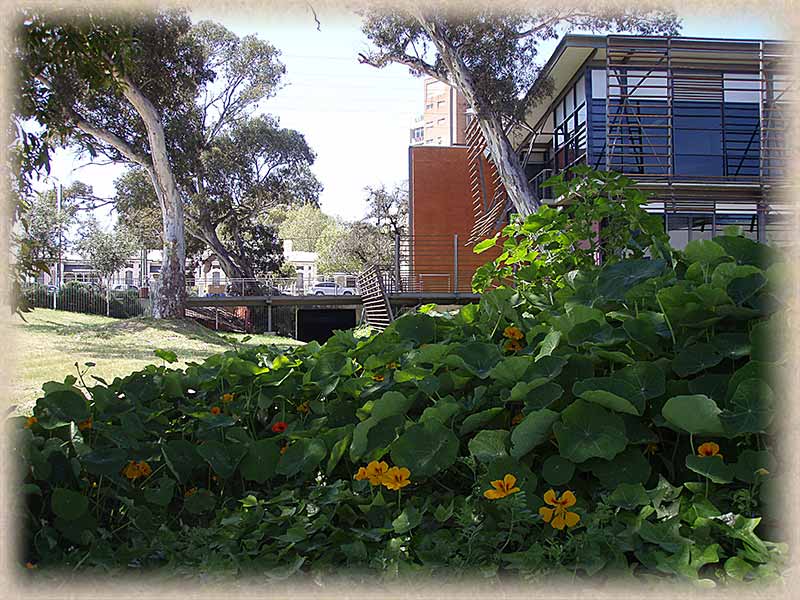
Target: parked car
125,287
328,288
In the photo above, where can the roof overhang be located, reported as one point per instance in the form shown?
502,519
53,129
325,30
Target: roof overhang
572,52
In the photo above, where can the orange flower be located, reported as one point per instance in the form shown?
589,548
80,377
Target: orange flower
651,449
391,365
361,475
559,515
215,410
377,377
304,408
133,470
190,492
87,424
502,487
376,472
517,419
396,478
283,449
513,346
30,565
227,398
513,333
31,421
708,449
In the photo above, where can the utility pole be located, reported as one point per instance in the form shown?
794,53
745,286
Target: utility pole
60,265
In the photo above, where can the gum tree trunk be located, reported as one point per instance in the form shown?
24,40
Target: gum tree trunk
503,155
170,300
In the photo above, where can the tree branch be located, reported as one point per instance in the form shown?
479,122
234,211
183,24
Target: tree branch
109,138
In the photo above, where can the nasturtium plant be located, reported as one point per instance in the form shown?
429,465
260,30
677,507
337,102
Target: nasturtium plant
642,394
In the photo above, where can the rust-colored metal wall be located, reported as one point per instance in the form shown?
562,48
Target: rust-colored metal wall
441,207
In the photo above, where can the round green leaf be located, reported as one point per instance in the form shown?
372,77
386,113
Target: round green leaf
750,461
629,466
303,455
694,414
696,358
557,470
68,505
532,431
181,458
105,461
750,408
614,394
712,467
261,460
629,496
199,502
541,396
161,495
480,419
223,458
425,449
489,445
66,404
589,431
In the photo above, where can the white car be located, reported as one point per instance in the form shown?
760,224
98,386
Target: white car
328,288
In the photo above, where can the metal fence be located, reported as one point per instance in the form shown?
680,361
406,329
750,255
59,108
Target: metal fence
89,298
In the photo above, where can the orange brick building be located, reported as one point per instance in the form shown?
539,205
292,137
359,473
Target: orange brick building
441,218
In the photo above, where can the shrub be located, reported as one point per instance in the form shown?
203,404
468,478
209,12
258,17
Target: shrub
640,392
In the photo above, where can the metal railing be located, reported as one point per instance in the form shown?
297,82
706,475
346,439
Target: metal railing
341,285
115,300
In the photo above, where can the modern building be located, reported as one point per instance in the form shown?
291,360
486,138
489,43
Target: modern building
700,124
445,118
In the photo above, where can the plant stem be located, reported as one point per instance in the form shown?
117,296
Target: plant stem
510,529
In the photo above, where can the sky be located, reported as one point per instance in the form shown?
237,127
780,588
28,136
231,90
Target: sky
356,118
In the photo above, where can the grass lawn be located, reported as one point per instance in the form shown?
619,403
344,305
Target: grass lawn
49,342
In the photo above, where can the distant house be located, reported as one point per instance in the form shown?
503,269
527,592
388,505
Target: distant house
304,263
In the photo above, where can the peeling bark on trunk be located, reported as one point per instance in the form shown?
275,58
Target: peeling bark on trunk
170,300
503,155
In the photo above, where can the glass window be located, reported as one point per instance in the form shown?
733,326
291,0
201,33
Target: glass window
598,83
742,87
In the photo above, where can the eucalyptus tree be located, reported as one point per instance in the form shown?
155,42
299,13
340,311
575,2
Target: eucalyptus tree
490,56
122,88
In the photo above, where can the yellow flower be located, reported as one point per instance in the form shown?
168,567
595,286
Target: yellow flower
391,365
651,449
87,424
31,422
227,398
215,410
377,377
361,475
517,419
559,515
376,471
513,346
708,449
396,478
513,333
762,471
502,487
304,407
